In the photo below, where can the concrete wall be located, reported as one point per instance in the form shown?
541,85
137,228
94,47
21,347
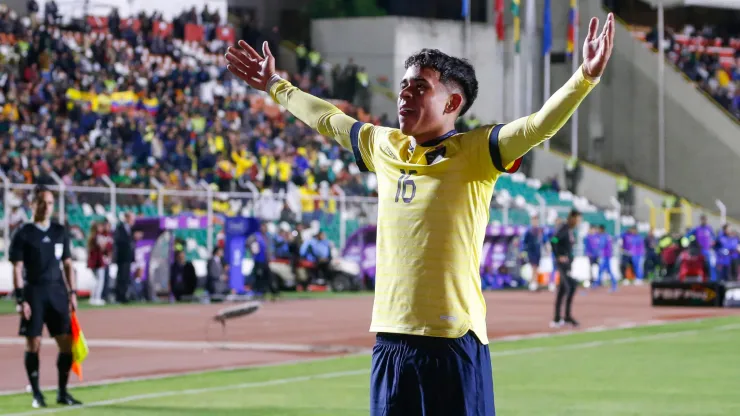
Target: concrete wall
600,187
382,45
267,12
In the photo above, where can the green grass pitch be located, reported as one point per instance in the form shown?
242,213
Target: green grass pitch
689,369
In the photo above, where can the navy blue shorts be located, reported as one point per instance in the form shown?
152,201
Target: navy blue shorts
429,376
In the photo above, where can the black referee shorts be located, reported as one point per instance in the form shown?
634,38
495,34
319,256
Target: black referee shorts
50,306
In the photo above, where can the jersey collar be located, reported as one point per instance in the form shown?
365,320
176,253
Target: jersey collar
438,140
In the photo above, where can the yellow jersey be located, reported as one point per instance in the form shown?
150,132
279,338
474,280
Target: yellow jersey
433,202
433,206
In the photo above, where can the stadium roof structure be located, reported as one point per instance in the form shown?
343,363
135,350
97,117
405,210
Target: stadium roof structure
720,4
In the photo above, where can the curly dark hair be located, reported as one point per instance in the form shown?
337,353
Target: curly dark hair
451,70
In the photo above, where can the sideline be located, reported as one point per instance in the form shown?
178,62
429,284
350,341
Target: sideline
200,345
331,375
508,338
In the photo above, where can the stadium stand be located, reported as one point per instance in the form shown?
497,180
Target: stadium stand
710,60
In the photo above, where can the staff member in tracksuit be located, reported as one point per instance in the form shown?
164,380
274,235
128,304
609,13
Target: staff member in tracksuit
260,248
532,246
46,295
605,257
704,234
591,248
562,246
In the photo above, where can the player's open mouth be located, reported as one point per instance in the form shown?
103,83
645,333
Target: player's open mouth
404,111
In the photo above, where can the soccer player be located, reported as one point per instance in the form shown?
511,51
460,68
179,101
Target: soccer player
434,190
562,246
46,295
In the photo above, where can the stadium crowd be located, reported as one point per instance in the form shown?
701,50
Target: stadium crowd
139,106
709,56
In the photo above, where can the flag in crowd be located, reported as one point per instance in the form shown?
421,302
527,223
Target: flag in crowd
572,22
517,24
500,29
546,28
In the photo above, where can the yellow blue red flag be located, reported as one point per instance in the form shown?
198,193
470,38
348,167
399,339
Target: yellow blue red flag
572,22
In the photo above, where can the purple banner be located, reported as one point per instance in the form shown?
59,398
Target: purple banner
360,248
142,254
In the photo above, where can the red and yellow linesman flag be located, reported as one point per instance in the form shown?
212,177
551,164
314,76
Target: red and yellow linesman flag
572,22
517,23
79,346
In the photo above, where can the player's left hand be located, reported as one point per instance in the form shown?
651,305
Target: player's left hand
598,49
72,302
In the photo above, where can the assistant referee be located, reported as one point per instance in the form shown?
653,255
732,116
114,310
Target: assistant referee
46,295
562,245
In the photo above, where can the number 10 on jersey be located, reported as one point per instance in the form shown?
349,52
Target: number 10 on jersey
406,189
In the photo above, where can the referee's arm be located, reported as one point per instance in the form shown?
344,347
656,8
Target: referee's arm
16,259
69,273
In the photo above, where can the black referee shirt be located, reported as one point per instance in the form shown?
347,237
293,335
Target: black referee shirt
41,251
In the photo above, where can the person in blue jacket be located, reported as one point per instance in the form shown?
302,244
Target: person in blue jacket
318,251
704,235
605,255
591,250
727,253
633,253
532,244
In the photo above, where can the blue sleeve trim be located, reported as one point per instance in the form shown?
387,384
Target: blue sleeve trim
494,150
354,137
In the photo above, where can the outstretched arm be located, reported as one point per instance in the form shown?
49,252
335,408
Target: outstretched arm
317,113
259,72
519,136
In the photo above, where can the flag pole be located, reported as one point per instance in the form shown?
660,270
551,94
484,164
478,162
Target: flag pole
467,29
516,9
547,48
575,60
546,87
661,96
531,35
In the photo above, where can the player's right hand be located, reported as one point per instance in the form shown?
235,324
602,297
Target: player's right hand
249,66
25,310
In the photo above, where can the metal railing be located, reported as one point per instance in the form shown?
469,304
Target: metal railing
338,214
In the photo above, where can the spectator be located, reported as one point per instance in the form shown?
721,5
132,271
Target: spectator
96,262
183,279
217,278
318,251
262,277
